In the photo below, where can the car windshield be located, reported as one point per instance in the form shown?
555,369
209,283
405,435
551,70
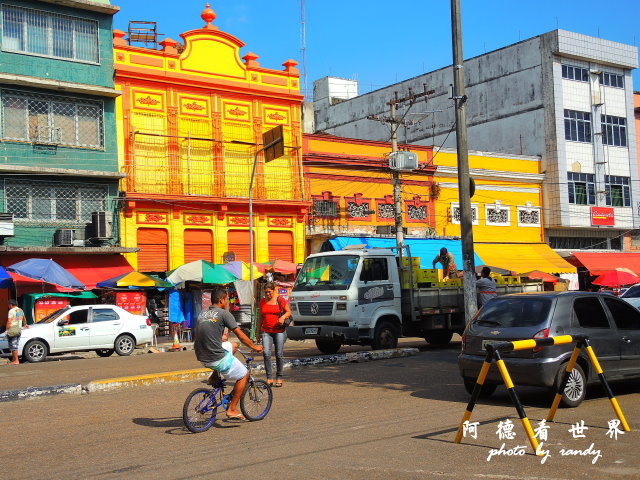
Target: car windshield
514,312
49,318
331,272
632,292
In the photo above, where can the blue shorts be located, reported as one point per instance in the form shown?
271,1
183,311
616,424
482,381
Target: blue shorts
13,343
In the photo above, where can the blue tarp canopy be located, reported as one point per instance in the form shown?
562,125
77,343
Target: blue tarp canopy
5,279
425,248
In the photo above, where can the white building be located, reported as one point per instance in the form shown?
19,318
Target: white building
563,96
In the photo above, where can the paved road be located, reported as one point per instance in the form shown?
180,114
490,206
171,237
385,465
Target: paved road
390,419
85,367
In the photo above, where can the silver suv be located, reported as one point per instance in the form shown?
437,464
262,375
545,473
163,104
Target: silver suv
613,327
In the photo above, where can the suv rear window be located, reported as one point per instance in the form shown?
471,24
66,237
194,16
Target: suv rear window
514,312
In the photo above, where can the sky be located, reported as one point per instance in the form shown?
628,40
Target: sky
378,42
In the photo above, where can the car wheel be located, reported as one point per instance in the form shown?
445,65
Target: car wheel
105,352
487,388
35,351
327,346
438,337
124,345
385,336
576,389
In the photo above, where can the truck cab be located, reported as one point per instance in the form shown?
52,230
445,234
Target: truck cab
347,297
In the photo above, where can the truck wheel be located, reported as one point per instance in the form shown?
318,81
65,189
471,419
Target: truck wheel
327,346
487,388
438,337
385,336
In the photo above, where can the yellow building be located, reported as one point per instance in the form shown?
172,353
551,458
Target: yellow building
506,207
352,190
190,121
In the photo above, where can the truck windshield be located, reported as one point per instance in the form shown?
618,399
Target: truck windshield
333,272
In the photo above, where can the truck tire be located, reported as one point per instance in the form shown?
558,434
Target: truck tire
385,336
438,337
327,346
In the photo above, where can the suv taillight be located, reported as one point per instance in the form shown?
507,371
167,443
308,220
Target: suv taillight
544,333
148,322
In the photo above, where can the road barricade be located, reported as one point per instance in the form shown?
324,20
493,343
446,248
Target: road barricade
493,353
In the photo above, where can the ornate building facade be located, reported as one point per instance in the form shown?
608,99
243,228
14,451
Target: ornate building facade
191,124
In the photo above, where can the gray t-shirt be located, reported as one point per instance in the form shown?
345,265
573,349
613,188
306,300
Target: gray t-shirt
208,334
486,290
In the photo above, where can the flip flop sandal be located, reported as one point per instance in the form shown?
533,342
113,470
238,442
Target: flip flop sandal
278,383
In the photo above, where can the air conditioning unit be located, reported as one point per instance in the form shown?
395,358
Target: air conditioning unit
63,237
102,225
6,225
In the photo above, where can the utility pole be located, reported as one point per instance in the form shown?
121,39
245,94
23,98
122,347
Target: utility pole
395,124
466,221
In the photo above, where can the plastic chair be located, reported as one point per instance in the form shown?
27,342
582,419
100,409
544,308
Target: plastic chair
154,339
185,334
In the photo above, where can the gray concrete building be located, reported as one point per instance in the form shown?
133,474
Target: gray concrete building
562,96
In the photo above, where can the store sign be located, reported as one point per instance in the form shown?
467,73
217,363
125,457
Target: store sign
603,216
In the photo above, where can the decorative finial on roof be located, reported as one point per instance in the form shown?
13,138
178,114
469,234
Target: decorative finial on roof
208,15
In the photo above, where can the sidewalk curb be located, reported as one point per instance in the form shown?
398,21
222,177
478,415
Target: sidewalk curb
199,373
33,392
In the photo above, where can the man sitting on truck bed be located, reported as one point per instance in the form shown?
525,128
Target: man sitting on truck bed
448,262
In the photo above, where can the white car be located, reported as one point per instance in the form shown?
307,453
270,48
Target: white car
103,328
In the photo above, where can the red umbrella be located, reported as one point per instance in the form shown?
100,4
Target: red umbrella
616,278
282,266
539,275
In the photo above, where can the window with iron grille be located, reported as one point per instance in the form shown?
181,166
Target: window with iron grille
498,215
51,119
386,210
358,211
46,201
37,32
618,192
582,188
456,215
417,213
528,216
614,131
575,73
325,208
612,80
577,126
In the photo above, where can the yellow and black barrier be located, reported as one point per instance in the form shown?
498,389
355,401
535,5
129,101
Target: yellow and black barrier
493,353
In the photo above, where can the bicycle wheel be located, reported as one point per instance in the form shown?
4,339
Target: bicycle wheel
199,410
256,400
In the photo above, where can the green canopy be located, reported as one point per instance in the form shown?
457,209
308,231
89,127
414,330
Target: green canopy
29,300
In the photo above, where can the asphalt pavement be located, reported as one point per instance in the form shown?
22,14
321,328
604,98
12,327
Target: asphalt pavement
83,372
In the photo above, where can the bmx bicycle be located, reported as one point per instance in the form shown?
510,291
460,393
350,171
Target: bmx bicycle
201,406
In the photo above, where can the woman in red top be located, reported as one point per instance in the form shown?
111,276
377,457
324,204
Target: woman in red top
274,310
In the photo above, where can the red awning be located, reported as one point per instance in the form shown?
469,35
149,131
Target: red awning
599,262
89,269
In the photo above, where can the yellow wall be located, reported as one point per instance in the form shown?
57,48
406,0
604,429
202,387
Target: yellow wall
345,167
513,181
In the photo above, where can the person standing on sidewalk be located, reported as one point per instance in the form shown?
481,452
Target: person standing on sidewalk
486,287
209,349
274,310
15,323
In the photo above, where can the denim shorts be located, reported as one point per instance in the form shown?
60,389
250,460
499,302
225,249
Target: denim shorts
13,342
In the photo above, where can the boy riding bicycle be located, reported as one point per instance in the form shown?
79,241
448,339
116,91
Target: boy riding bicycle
216,354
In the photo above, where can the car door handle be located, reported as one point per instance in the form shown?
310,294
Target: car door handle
626,339
84,329
117,323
